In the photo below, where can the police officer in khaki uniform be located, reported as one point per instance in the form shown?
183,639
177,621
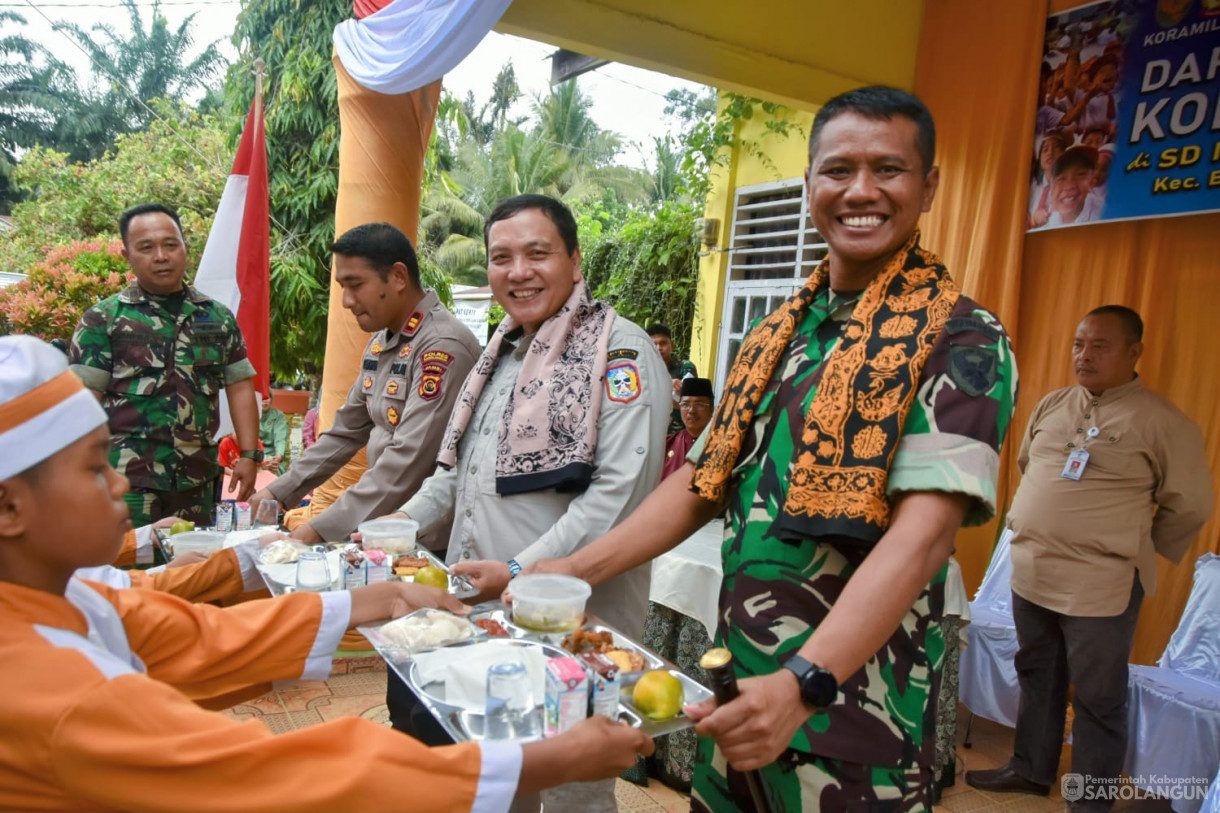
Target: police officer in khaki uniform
411,372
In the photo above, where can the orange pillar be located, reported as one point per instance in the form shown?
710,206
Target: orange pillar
381,165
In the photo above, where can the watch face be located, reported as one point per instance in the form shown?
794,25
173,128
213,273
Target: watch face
819,688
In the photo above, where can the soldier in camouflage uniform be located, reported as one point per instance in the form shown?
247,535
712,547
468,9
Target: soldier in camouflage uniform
858,430
157,354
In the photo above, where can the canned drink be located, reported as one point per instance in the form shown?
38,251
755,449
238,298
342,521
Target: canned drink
512,713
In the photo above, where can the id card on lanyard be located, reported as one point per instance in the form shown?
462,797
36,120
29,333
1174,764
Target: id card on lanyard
1074,468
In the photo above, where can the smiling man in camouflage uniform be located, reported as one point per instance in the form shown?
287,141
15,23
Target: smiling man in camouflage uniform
859,428
157,355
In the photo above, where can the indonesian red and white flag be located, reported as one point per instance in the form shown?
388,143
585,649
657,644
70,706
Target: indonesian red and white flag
235,268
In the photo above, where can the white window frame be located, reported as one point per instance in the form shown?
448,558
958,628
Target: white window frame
773,249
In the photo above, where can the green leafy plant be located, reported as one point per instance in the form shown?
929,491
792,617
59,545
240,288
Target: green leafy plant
180,160
648,269
49,302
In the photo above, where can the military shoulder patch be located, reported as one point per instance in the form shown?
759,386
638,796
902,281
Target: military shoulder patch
412,324
967,324
622,382
973,369
622,353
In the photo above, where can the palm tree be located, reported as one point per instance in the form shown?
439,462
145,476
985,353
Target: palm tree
451,234
131,69
35,90
504,94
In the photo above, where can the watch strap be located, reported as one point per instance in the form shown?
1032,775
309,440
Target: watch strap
513,568
252,454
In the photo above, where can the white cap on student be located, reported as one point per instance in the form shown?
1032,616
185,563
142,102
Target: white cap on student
44,407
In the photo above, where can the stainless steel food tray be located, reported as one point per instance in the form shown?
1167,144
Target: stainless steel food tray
466,725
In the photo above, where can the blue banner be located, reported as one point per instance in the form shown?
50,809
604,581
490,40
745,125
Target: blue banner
1128,121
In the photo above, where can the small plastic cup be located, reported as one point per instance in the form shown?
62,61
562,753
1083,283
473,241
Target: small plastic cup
549,602
511,707
313,573
390,534
267,515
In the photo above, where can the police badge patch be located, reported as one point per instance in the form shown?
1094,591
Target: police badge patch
367,383
622,382
430,386
973,369
392,416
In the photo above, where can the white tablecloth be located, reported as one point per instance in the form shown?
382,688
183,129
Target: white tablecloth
687,579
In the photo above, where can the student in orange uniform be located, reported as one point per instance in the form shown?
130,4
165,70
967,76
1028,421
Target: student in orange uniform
193,576
78,658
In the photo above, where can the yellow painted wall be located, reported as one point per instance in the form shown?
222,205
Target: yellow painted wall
787,157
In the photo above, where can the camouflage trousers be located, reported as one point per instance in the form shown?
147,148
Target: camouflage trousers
196,504
811,783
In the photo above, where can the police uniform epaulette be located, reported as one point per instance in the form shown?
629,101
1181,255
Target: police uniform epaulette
412,324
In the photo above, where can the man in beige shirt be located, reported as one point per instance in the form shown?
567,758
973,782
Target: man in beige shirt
1112,475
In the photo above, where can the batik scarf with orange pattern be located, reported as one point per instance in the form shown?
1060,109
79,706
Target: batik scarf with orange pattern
837,485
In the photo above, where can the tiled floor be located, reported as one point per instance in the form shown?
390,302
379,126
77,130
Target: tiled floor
357,688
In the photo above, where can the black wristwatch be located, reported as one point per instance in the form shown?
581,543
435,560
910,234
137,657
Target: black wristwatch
818,687
252,454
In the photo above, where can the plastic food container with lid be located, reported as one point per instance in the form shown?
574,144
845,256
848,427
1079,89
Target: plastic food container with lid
549,602
390,534
205,542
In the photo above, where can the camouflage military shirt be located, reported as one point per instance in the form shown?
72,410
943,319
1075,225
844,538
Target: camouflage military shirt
775,593
160,373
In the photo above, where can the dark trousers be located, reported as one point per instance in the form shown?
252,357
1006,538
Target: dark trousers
409,715
1092,655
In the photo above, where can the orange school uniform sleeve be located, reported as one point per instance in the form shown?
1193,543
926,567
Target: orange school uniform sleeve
173,756
217,577
88,730
205,651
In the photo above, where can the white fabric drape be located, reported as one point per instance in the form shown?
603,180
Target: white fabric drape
410,43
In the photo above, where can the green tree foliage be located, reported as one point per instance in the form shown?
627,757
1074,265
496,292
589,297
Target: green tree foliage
481,155
181,160
646,263
33,95
131,68
293,38
648,269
